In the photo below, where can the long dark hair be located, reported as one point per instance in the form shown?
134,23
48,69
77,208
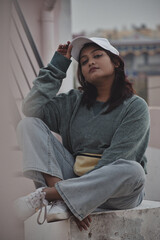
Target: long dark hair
121,88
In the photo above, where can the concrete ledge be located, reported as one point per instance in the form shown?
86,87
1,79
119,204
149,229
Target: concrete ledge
141,223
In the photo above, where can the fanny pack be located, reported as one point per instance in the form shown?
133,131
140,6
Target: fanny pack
85,162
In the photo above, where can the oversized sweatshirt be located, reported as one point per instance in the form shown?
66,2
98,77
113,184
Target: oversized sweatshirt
122,133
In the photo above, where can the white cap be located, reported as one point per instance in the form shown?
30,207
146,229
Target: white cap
79,42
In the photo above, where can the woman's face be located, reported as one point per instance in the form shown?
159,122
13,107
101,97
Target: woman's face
96,65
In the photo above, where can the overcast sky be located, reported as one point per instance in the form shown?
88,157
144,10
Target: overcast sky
89,15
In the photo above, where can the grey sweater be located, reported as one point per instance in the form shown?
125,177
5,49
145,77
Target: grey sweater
122,133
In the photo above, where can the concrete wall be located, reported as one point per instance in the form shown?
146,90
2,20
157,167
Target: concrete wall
153,155
155,127
153,90
152,189
141,223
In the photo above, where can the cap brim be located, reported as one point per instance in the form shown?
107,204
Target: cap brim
79,42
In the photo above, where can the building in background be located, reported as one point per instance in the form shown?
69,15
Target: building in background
142,58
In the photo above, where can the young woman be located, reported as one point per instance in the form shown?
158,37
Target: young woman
104,128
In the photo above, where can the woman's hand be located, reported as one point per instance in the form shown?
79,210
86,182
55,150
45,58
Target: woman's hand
84,224
65,50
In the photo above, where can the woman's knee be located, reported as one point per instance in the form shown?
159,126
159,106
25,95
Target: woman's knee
130,171
27,122
134,170
30,125
27,126
137,170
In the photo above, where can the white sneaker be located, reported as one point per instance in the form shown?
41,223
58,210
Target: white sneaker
57,211
26,206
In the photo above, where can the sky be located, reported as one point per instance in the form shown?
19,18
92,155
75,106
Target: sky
90,15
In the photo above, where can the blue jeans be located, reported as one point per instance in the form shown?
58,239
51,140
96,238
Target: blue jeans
119,185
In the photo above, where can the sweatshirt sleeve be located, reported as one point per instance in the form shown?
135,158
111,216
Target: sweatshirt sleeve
130,139
41,102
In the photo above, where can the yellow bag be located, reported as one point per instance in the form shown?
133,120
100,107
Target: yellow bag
85,162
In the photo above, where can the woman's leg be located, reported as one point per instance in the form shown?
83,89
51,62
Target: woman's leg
116,186
45,160
51,180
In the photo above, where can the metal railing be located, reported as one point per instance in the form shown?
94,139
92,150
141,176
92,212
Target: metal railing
18,82
28,33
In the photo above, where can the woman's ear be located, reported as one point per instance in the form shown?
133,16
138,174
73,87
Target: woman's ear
117,64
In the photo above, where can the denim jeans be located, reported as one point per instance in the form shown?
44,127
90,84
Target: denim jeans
119,185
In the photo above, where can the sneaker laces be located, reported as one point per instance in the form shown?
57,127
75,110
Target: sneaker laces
35,198
37,201
40,212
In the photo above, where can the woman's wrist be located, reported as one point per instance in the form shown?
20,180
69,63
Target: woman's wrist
61,62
